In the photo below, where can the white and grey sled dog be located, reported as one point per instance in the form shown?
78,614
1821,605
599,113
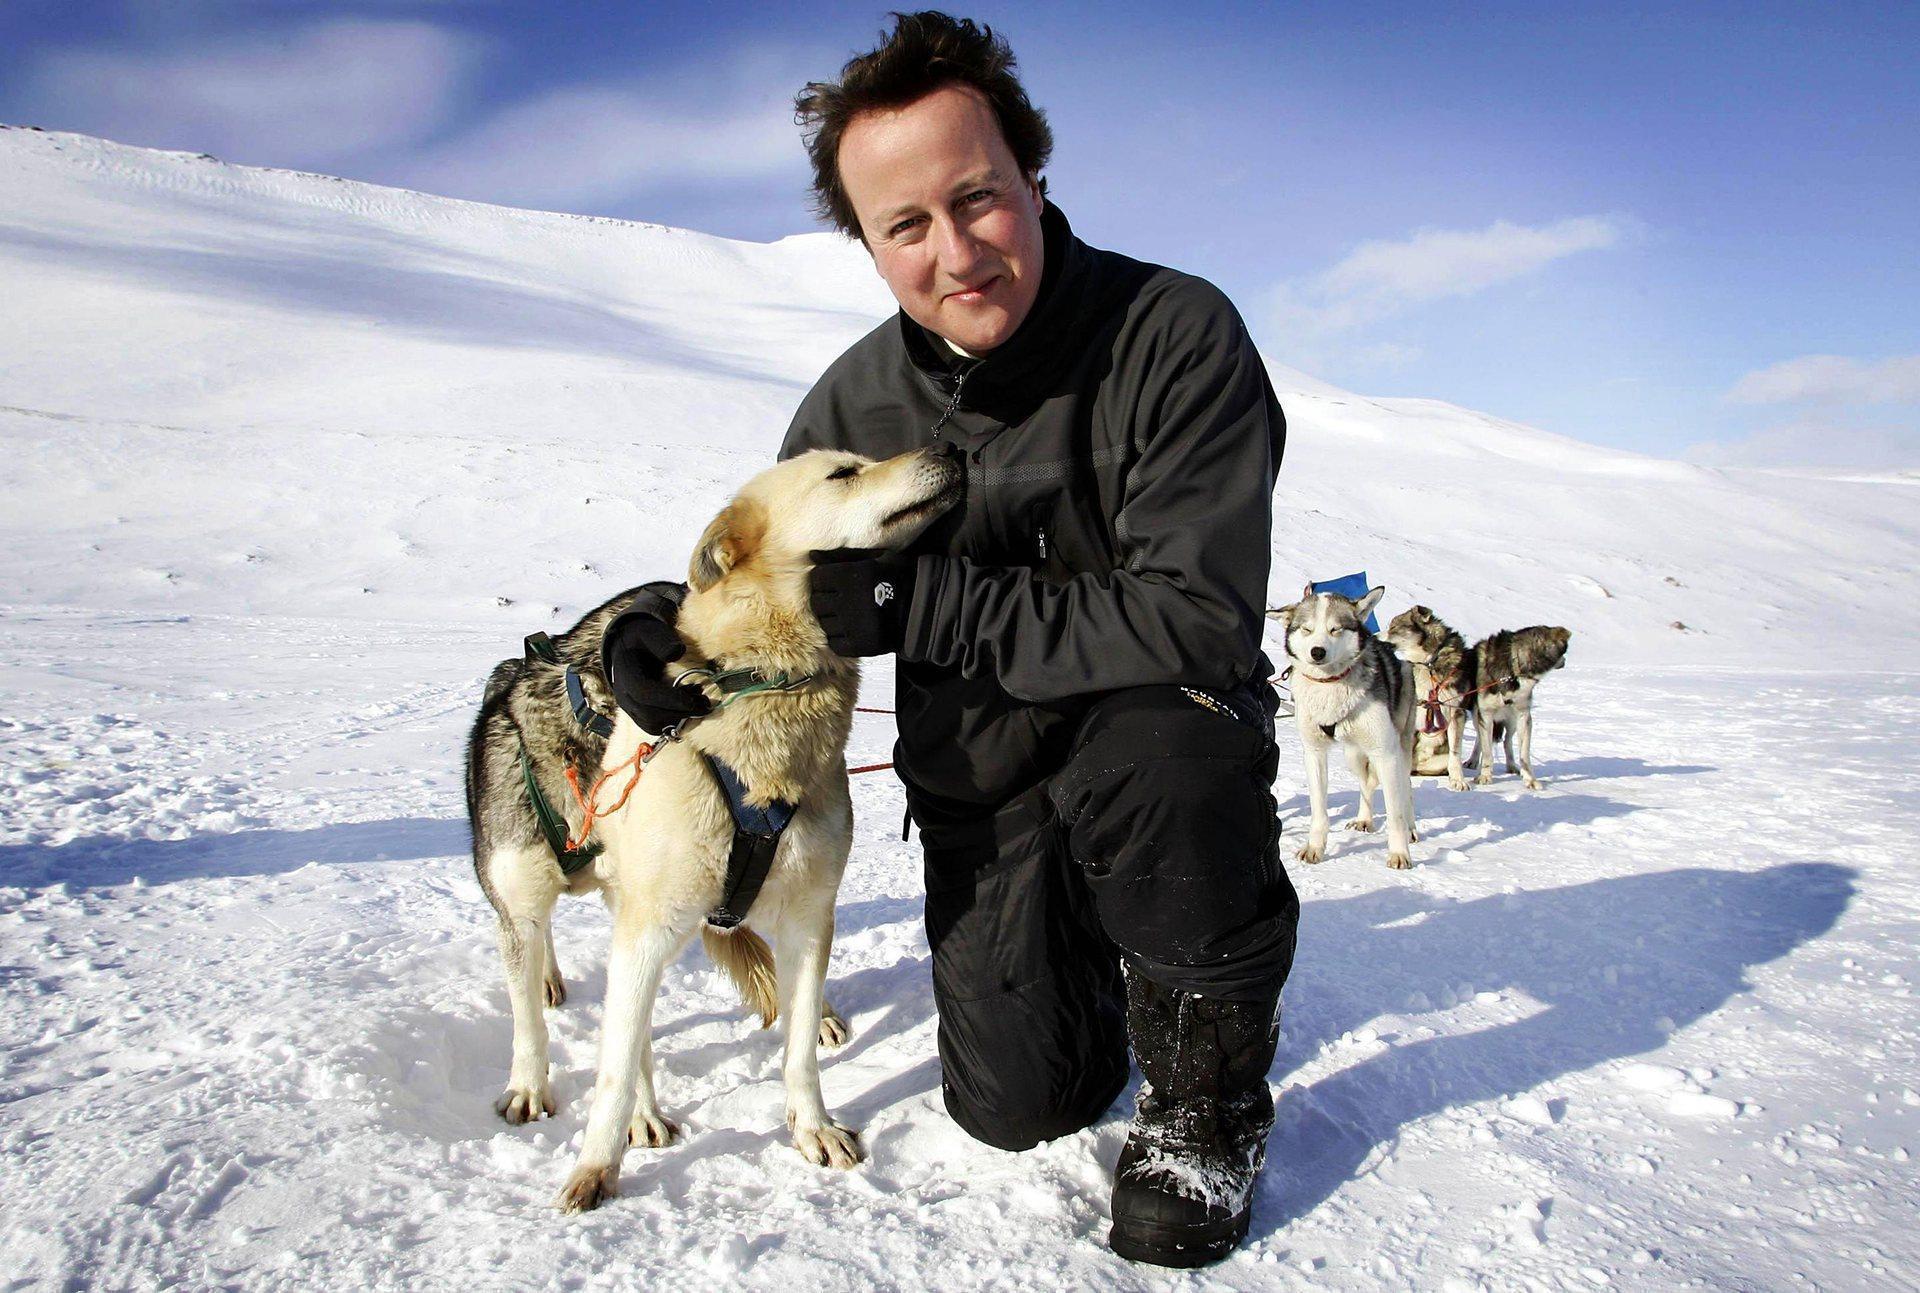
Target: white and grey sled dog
664,823
1349,686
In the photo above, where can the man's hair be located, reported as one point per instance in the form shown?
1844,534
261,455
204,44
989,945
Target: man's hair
924,52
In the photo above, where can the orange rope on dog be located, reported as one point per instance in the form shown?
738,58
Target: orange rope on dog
592,797
871,767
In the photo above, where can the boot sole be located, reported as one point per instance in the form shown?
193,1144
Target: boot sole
1180,1248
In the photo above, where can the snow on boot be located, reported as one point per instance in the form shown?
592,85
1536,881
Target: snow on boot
1183,1188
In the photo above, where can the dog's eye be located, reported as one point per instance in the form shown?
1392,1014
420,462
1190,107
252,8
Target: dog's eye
843,473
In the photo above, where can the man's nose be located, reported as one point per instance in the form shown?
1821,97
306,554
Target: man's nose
959,249
1318,654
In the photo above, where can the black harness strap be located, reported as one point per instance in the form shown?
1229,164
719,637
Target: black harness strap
552,824
756,836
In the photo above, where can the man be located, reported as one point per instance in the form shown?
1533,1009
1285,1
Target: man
1085,726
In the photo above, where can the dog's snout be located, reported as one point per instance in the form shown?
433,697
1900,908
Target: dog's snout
1319,654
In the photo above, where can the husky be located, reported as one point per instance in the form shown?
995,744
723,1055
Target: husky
1350,686
1507,667
1442,678
655,806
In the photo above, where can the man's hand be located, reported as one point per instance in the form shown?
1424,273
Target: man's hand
861,596
635,652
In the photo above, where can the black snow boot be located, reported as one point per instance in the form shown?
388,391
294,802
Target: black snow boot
1183,1188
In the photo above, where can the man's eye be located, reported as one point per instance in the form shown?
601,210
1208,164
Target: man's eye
902,227
843,473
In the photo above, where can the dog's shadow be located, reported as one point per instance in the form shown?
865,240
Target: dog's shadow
1618,964
1483,814
98,861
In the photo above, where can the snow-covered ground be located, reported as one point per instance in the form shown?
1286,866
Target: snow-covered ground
290,462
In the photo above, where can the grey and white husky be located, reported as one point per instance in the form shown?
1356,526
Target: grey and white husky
1349,686
1442,678
1506,668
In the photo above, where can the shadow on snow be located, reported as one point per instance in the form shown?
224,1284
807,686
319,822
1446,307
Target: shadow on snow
1616,964
95,862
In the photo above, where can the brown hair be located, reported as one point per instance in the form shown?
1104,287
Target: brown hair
924,51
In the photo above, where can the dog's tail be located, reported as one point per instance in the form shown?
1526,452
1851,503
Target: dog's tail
748,961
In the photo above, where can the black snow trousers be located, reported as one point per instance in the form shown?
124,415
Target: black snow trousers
1156,844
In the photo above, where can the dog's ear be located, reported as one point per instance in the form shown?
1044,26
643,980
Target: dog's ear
1371,600
730,542
1281,613
1306,594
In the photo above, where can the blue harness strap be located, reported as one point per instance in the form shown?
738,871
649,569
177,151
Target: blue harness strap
756,835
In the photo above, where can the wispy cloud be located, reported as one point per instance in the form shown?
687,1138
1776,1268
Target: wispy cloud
1815,442
589,145
1832,379
1378,280
312,96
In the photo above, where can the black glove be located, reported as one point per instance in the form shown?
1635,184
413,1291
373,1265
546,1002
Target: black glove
861,596
635,652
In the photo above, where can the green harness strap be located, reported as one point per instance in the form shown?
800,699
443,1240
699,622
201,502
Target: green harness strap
553,825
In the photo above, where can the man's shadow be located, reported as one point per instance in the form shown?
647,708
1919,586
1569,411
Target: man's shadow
1616,964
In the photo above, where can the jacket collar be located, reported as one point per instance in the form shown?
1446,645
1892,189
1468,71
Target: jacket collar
1018,364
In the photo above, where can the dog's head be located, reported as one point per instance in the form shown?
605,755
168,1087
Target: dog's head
749,571
1325,630
1416,634
1541,649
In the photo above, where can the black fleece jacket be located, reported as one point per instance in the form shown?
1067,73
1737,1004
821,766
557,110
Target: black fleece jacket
1121,449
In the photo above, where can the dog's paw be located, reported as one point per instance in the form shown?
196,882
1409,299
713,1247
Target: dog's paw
1531,783
1485,778
1311,852
1361,824
651,1131
1459,783
833,1029
525,1103
556,990
589,1187
1399,861
830,1145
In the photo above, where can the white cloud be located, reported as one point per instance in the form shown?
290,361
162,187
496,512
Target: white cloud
586,145
314,96
1831,379
1377,280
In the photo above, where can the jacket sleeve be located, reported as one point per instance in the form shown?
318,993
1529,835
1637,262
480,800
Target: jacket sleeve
1194,531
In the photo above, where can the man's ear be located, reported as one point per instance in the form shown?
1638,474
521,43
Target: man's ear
729,542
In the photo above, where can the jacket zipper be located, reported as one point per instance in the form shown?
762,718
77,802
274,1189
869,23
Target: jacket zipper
953,403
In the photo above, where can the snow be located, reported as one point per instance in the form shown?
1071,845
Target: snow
290,462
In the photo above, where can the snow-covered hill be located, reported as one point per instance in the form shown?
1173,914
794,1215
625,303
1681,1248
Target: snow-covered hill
230,389
290,461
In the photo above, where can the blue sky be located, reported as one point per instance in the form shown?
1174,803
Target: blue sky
1686,229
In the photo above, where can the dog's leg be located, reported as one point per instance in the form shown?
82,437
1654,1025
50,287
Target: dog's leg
1316,754
1396,778
1525,736
623,1092
800,958
1363,771
1456,738
1506,743
525,893
1482,747
556,986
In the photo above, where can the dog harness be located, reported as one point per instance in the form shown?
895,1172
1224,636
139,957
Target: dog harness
756,831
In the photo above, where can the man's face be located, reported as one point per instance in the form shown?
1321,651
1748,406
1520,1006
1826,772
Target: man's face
952,224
